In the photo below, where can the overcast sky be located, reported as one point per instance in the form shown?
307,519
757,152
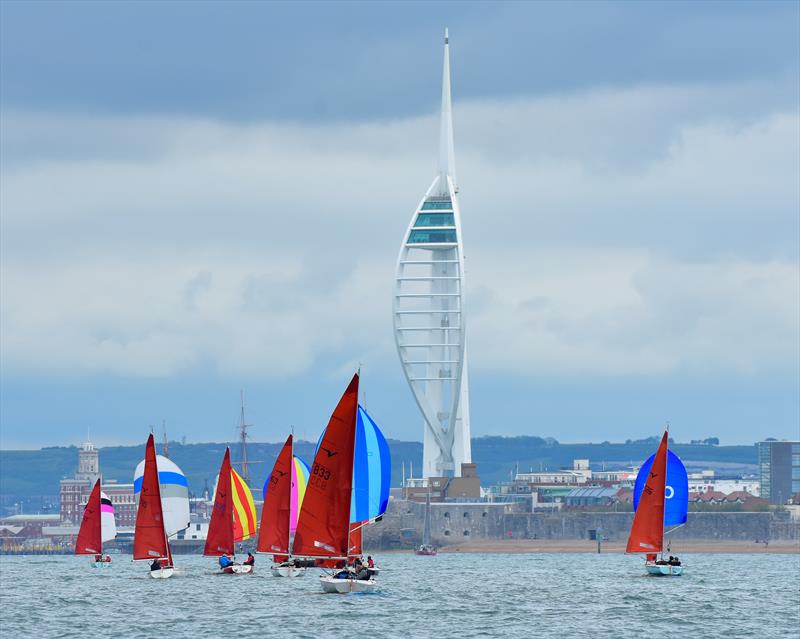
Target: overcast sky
203,198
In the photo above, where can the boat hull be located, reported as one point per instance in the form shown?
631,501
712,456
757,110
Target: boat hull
661,570
237,569
344,586
162,573
287,571
101,564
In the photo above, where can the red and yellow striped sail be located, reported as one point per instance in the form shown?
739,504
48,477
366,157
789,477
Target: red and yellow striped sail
244,509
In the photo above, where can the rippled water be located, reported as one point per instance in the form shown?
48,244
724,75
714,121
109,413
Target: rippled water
452,595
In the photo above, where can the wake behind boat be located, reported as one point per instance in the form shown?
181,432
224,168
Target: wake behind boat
661,498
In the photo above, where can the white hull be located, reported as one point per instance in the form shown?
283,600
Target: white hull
343,586
162,573
660,570
287,571
101,564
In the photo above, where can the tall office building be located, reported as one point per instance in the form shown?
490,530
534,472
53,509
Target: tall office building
429,319
779,469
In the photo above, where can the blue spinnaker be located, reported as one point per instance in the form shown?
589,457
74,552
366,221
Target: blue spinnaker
372,470
676,503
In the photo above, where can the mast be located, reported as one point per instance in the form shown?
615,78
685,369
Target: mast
447,157
243,426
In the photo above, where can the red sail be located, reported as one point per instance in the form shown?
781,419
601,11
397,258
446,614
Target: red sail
89,541
647,531
273,536
323,525
220,531
149,540
355,540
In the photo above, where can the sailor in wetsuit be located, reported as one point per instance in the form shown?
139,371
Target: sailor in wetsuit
156,565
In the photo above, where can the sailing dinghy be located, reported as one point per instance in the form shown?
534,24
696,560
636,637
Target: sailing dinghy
284,491
97,527
233,518
661,498
333,513
162,497
426,548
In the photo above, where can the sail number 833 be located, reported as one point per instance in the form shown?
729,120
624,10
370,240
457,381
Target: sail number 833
320,475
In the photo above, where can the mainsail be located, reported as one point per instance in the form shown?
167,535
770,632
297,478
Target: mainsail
174,493
90,541
647,531
150,538
219,540
323,527
273,536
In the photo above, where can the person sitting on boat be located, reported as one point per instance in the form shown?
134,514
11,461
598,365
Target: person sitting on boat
370,562
156,565
674,561
250,561
357,565
98,558
363,574
225,561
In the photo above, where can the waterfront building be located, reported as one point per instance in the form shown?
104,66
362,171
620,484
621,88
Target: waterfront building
779,469
428,310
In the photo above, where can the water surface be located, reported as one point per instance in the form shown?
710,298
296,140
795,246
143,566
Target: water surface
452,595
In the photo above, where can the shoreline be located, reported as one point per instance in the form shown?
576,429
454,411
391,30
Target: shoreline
558,546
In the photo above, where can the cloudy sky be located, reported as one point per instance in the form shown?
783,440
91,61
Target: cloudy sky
199,198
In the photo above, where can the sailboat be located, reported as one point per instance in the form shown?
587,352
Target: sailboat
333,512
97,527
426,547
233,518
283,497
162,497
661,498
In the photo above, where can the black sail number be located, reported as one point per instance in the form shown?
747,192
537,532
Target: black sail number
320,475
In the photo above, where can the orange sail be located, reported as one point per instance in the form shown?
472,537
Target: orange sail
89,540
324,524
647,531
273,536
219,540
149,540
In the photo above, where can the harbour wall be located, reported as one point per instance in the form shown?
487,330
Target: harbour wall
453,523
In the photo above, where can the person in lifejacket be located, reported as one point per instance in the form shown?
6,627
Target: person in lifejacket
370,562
250,561
225,561
156,565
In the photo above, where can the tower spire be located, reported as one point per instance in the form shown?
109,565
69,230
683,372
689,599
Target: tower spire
447,161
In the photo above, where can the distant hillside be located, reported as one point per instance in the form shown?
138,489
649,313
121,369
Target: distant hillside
32,476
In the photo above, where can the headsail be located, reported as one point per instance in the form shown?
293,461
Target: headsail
647,531
300,473
323,526
219,539
244,509
150,539
174,493
89,541
108,527
676,491
372,471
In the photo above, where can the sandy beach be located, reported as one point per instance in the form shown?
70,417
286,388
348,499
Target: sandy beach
582,546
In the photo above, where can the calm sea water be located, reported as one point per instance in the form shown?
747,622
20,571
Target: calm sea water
452,595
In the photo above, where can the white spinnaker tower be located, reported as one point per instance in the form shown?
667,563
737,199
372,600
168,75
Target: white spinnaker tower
428,310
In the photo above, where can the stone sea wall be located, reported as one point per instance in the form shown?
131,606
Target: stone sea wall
456,523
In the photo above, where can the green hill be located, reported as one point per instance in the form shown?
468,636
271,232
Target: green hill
31,477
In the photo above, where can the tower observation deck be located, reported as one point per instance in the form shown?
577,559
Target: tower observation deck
428,309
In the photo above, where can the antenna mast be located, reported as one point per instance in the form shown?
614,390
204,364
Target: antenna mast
243,426
165,445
